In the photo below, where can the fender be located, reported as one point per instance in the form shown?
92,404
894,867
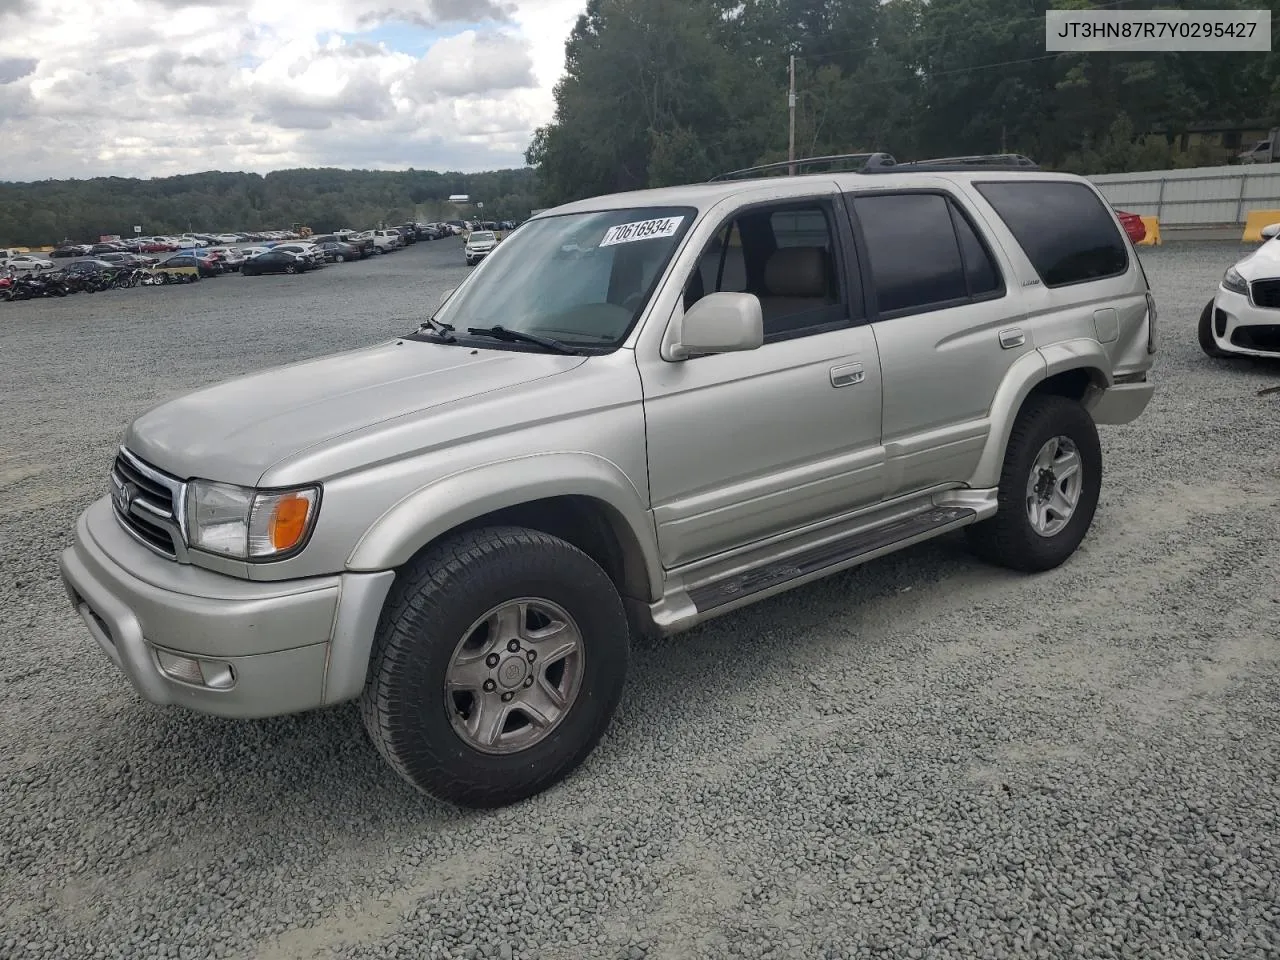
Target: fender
452,500
1027,372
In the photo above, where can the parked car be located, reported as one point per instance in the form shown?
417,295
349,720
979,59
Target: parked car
88,266
205,266
386,241
128,260
1242,319
602,432
1133,225
25,263
67,252
277,261
304,249
229,258
479,245
335,252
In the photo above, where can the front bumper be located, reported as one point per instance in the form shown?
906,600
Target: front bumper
217,644
1241,328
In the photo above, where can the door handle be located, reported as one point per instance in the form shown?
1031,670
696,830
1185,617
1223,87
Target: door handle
1012,337
847,375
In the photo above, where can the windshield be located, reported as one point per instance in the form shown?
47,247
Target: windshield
580,278
481,235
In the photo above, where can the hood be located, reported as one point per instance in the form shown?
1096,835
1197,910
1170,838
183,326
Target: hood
1263,263
234,431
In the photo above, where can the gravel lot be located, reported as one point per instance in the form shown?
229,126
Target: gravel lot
921,758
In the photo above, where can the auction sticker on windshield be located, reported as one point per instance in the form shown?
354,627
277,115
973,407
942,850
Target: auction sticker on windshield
642,230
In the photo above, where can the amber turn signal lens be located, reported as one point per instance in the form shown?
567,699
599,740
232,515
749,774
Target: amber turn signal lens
289,521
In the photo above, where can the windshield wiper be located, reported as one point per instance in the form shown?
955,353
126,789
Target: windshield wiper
519,336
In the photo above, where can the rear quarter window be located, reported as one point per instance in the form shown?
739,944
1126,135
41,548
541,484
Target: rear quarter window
1067,233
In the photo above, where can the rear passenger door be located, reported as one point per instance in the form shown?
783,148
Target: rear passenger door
947,327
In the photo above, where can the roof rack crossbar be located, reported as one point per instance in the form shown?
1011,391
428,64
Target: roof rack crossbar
863,161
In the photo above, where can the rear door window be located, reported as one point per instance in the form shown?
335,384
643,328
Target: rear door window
915,259
1066,232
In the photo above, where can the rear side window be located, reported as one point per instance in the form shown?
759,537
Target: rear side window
1067,233
924,253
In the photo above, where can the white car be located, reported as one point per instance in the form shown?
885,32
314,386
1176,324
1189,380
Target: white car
384,241
479,245
1243,318
25,263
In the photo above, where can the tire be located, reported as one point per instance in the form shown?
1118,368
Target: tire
1009,539
290,268
1204,333
339,259
434,604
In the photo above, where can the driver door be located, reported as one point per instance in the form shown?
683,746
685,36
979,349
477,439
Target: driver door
744,446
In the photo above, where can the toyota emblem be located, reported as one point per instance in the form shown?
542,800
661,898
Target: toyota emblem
123,494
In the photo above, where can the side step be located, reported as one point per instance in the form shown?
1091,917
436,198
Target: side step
809,563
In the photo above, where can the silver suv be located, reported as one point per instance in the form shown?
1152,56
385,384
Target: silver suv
640,412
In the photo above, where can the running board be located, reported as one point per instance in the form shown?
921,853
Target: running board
827,558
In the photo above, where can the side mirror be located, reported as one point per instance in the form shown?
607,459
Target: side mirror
445,296
720,323
1271,231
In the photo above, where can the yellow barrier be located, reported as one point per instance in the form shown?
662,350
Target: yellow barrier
1152,239
1256,220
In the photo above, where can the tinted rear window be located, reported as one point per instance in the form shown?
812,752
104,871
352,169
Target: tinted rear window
1067,233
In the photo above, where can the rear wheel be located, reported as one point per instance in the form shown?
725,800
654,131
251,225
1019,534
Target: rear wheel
498,662
290,268
1204,332
1048,491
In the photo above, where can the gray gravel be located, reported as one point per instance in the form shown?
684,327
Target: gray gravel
921,758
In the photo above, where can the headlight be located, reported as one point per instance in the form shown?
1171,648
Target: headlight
1232,281
250,524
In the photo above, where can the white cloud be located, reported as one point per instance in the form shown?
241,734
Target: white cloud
158,87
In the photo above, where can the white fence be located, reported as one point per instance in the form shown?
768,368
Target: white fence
1197,196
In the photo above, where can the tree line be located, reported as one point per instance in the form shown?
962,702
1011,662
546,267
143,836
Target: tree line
51,211
659,92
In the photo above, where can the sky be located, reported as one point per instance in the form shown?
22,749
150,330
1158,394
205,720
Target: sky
151,88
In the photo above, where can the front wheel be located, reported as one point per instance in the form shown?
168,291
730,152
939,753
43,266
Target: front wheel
498,663
1049,488
1204,333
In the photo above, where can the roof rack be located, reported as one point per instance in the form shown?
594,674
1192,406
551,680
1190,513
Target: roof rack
885,163
991,161
862,162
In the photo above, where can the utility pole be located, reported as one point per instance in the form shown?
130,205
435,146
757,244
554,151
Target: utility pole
791,109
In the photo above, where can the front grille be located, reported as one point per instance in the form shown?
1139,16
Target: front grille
147,502
1260,337
1265,293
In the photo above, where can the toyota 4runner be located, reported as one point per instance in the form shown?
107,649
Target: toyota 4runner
640,412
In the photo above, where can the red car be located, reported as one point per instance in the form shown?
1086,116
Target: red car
1133,225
